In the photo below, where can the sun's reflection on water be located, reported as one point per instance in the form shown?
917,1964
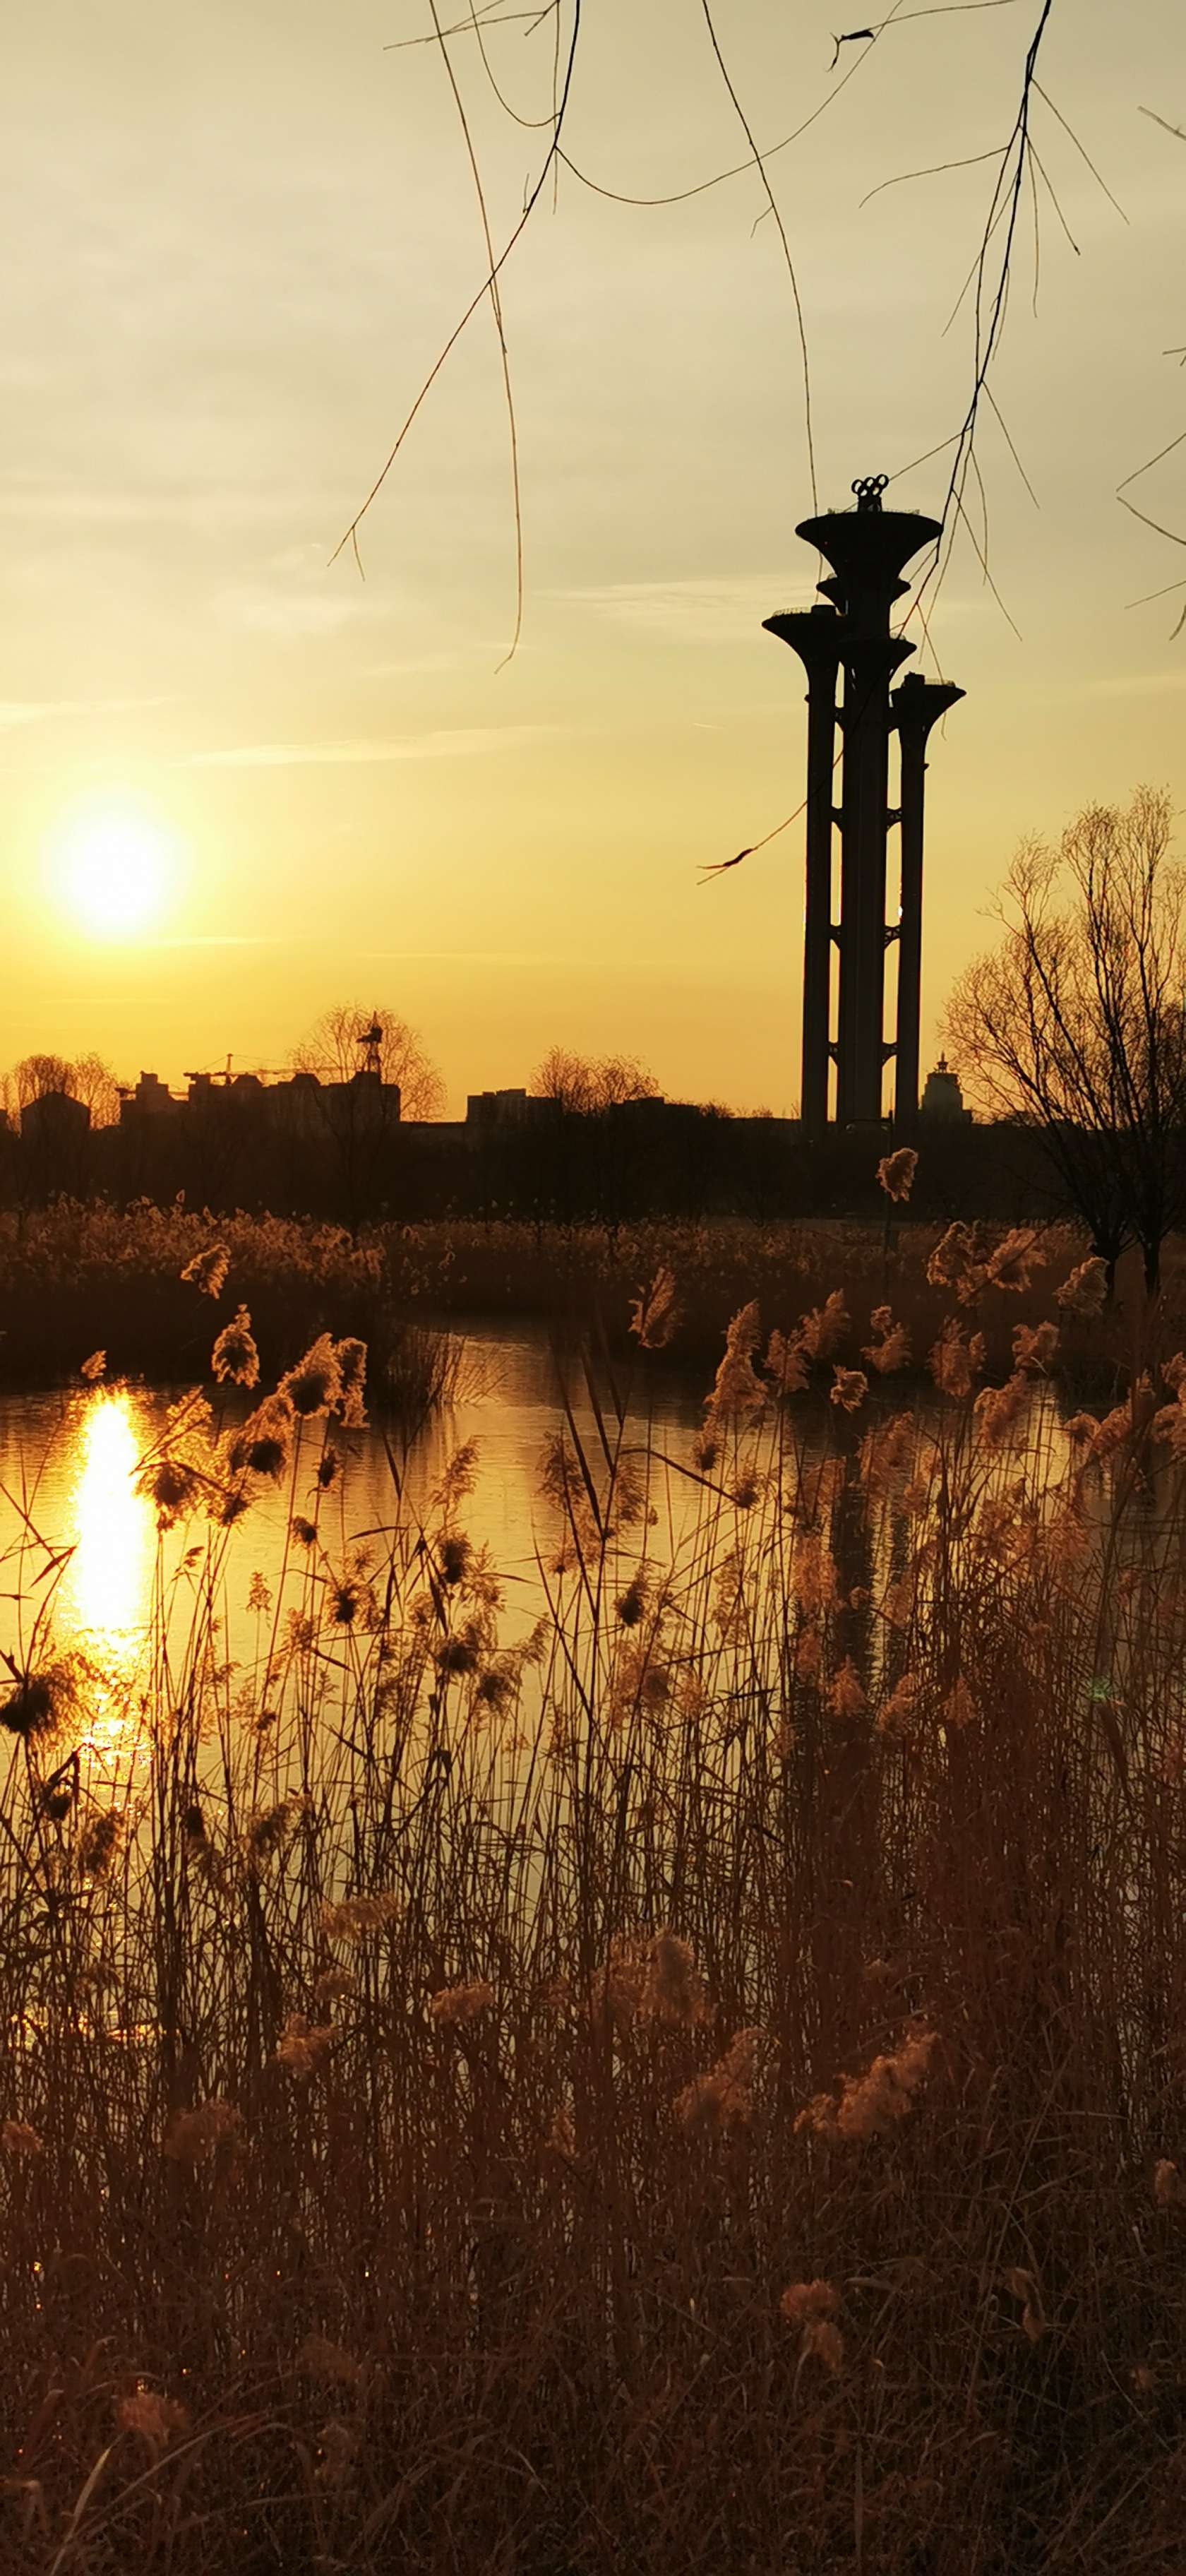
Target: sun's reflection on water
109,1583
106,1595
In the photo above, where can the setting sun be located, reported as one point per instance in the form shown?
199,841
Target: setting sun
114,870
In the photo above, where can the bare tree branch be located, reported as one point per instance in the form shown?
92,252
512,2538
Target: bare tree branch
351,535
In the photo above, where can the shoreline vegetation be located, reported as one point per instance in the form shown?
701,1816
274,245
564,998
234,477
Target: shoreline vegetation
78,1276
700,2086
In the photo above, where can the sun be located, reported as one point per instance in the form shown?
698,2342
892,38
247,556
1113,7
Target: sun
114,869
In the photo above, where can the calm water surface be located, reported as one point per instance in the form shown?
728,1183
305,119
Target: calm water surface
81,1559
67,1478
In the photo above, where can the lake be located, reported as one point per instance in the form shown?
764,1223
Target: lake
83,1562
68,1462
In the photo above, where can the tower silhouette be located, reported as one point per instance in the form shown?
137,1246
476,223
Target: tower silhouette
370,1041
867,549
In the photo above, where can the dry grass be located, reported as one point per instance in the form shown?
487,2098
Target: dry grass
74,1277
587,1275
700,2086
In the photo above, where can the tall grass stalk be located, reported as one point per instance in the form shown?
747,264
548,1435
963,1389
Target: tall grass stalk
695,2083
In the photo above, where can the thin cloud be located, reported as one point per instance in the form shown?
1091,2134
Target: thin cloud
267,612
17,712
725,610
707,611
463,742
50,503
413,664
1139,684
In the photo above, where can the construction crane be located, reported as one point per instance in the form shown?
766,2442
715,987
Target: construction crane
265,1073
369,1041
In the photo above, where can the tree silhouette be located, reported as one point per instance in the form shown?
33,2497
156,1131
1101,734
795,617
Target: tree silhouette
36,1076
1075,1026
94,1082
334,1050
83,1077
586,1086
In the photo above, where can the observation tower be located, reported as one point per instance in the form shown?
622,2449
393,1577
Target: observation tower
850,657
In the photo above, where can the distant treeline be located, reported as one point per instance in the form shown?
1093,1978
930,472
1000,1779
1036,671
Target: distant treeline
631,1160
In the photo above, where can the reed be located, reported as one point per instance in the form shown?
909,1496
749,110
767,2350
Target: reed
74,1276
585,1276
691,2076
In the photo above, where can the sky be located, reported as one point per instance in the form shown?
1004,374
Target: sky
238,240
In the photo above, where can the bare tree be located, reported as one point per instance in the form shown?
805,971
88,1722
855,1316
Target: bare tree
336,1048
586,1086
84,1078
38,1075
94,1082
1075,1024
347,1045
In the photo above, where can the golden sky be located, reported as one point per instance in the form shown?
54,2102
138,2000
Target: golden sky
236,240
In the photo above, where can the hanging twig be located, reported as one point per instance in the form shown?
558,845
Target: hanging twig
760,165
680,196
990,307
350,537
933,169
1084,155
496,309
722,866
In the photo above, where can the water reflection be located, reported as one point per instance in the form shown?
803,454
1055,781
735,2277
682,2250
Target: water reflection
67,1471
104,1601
125,1598
108,1587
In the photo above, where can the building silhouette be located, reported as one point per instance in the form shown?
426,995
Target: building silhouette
342,1153
942,1098
298,1102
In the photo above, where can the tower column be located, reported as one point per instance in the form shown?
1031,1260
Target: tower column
917,705
814,634
861,1051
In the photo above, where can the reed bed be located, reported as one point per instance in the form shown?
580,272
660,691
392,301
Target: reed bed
78,1275
585,1275
687,2075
